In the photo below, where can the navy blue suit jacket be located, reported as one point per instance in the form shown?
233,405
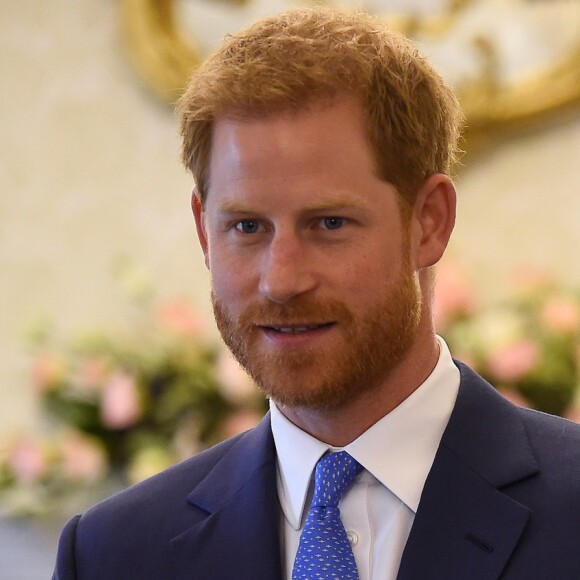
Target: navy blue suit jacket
502,500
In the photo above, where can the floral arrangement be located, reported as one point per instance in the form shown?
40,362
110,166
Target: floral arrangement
124,408
527,346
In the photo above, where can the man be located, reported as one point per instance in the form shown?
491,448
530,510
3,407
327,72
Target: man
321,146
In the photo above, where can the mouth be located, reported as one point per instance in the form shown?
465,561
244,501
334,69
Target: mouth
295,328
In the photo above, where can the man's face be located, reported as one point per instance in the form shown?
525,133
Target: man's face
312,283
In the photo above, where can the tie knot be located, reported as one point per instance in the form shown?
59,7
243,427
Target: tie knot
334,473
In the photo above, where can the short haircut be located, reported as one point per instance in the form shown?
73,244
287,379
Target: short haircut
288,62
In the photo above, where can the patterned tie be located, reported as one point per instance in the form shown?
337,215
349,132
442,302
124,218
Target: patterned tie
324,550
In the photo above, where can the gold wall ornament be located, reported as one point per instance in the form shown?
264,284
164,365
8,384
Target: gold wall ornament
165,57
493,108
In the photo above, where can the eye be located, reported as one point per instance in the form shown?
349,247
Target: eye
333,223
247,226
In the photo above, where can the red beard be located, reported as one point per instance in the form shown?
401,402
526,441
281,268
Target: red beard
361,353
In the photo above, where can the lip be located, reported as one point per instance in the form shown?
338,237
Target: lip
296,334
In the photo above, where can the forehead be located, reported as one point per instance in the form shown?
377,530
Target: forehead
325,138
318,157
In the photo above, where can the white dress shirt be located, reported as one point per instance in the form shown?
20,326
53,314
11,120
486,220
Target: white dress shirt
397,452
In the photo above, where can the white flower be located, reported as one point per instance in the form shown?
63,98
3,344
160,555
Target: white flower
498,328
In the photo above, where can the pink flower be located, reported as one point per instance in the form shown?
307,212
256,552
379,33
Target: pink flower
82,458
28,460
561,314
235,383
511,363
120,403
177,316
453,296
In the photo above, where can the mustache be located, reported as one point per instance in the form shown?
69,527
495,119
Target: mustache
298,311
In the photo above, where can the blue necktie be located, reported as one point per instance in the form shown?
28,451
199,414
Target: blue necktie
324,550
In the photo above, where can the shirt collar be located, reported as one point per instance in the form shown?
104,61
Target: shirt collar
398,450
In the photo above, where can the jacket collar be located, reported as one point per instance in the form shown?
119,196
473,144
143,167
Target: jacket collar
466,527
236,534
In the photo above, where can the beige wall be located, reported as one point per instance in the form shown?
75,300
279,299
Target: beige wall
89,173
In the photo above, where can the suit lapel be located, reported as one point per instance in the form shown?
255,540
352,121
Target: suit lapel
466,526
237,513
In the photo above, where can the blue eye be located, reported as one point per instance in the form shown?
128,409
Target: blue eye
333,223
247,226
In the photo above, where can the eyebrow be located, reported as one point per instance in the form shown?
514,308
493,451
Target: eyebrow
339,203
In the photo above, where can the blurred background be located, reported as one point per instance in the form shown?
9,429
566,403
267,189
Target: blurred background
102,286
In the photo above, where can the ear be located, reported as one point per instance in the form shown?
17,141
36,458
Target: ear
199,215
433,219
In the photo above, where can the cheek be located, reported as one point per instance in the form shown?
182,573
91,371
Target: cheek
232,280
370,271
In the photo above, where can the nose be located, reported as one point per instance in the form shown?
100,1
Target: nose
287,270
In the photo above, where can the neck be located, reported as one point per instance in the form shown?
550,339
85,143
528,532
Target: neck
342,425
